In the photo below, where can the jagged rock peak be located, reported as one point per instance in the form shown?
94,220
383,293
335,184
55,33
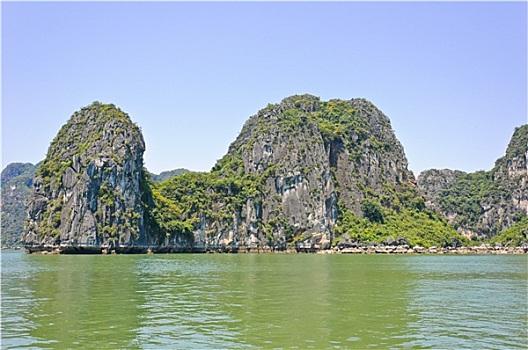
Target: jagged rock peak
345,128
88,190
304,103
515,161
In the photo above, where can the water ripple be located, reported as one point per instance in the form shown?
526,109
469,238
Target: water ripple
264,301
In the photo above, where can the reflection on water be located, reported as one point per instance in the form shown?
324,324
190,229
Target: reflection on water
263,301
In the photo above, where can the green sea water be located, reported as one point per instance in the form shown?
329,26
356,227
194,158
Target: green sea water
272,301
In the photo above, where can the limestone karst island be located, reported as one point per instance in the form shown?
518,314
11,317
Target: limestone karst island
303,175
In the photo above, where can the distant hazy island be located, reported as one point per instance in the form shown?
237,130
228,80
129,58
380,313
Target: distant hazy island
302,175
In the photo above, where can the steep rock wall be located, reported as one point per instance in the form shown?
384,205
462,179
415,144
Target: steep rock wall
293,170
302,174
87,192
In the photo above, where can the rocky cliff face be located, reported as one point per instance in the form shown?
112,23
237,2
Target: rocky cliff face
300,174
17,180
434,182
88,191
283,148
485,203
303,174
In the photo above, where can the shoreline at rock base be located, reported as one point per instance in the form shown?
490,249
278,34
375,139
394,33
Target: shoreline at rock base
398,250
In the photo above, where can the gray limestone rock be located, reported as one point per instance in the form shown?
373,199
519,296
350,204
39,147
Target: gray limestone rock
88,192
306,175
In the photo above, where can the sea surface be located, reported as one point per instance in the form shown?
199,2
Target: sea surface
272,301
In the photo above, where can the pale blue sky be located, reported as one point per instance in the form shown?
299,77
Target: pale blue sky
452,77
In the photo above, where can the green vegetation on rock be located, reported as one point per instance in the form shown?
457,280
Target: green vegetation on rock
86,191
17,179
298,158
483,204
513,236
302,173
